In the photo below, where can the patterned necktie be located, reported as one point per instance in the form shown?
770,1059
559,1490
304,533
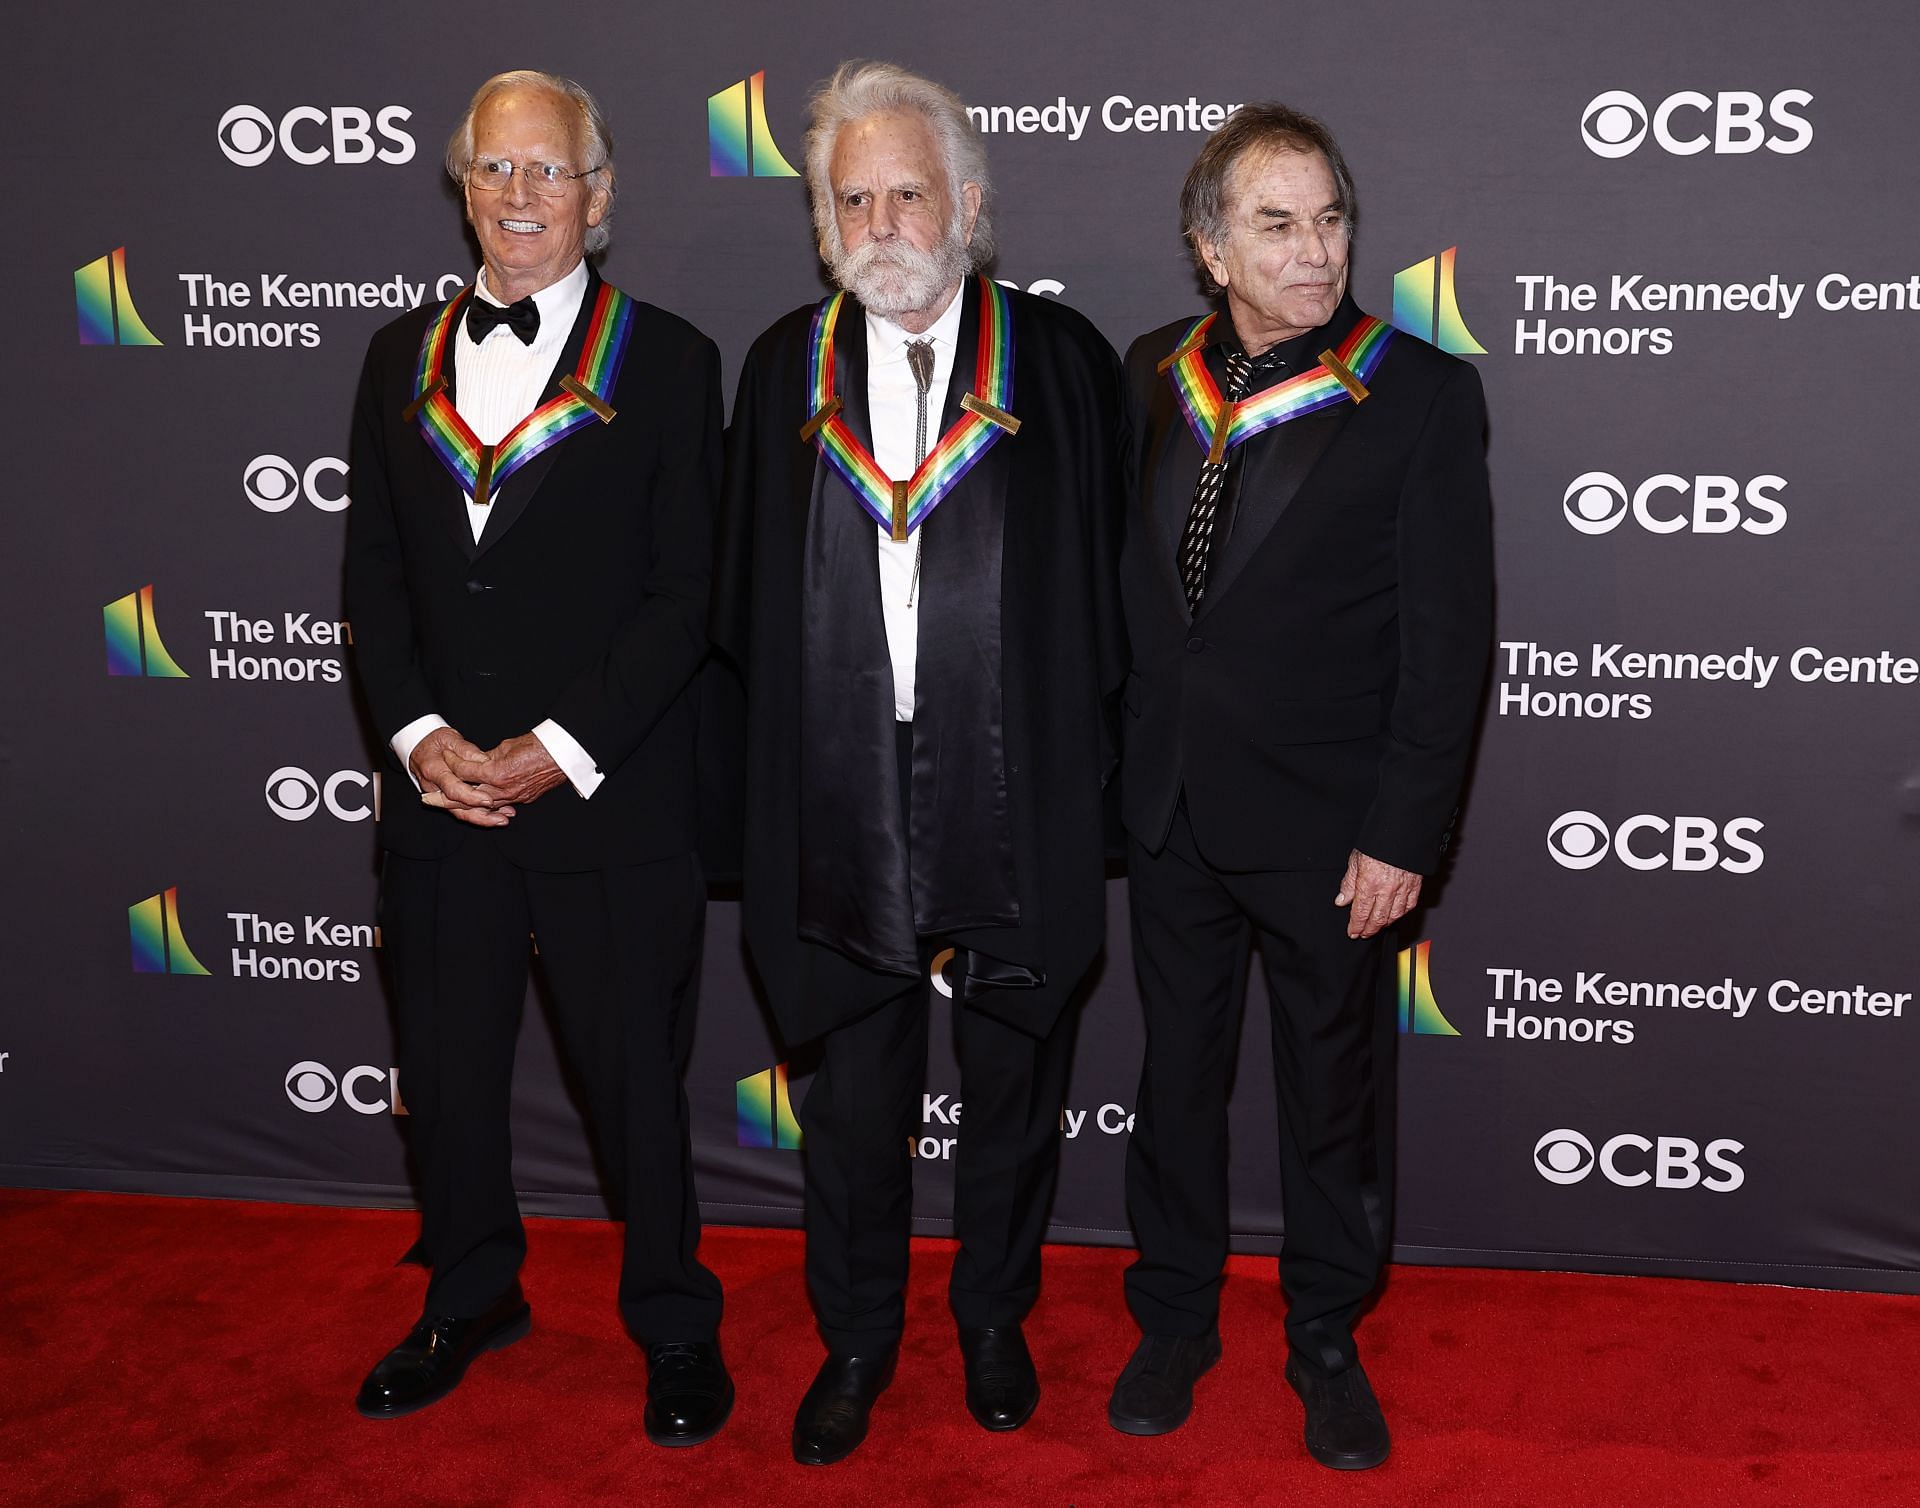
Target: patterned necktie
1196,539
920,360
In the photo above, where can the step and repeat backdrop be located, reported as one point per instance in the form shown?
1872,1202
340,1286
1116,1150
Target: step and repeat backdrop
1661,1016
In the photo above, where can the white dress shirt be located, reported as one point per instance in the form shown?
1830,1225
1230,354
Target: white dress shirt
892,404
497,383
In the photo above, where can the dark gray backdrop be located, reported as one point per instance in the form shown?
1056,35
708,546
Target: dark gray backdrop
1754,143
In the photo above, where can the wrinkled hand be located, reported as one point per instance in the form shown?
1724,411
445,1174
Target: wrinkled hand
443,787
1378,893
518,768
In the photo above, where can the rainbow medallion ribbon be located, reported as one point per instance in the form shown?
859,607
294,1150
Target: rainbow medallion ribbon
901,507
1342,374
480,469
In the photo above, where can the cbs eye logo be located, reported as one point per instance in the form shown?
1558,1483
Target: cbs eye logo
274,484
1614,123
246,135
1578,840
312,1087
1563,1156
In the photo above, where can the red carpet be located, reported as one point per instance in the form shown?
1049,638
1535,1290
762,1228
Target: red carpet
159,1351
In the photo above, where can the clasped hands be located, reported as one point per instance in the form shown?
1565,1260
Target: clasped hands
482,786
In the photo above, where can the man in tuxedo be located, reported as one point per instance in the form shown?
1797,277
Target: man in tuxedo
1308,589
535,466
918,583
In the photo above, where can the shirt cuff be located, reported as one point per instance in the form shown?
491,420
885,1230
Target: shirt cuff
408,739
575,762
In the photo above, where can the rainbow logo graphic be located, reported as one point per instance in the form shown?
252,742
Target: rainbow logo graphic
1424,304
133,640
1419,1012
153,927
763,1110
739,144
105,307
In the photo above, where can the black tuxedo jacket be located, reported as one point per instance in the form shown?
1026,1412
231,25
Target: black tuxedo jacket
585,599
1324,697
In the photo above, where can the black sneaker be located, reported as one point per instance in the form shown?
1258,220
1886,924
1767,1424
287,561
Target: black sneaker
1345,1428
1155,1392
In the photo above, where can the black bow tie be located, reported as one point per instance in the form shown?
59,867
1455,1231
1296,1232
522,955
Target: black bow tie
523,318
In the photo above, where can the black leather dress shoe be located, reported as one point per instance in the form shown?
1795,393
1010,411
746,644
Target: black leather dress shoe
1154,1393
430,1362
1002,1387
1345,1428
689,1393
833,1416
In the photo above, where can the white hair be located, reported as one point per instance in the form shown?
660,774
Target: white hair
860,89
595,135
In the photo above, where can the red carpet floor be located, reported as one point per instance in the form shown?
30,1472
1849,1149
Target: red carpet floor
159,1351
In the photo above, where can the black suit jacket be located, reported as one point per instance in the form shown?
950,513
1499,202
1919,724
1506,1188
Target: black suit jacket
1324,697
585,599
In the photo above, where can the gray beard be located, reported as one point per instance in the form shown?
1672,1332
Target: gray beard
892,278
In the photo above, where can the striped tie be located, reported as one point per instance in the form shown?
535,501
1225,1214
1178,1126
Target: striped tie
1197,538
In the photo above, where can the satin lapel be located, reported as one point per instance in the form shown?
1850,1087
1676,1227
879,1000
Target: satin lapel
517,491
1272,468
985,486
1173,471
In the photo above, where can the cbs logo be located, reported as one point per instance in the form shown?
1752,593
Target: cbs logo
1734,121
248,135
312,1087
293,795
1580,840
1597,502
1567,1157
274,484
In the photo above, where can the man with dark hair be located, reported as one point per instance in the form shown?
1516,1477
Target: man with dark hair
1308,590
918,582
534,470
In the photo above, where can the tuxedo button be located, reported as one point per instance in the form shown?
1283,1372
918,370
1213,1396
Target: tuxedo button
1196,644
477,587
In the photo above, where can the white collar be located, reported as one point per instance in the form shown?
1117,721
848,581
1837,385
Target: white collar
554,300
887,341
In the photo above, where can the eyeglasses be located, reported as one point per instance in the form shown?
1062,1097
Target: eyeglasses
489,175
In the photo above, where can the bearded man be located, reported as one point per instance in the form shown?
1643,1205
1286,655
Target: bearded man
918,583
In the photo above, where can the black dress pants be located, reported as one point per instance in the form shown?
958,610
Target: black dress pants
1333,1065
857,1118
620,948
